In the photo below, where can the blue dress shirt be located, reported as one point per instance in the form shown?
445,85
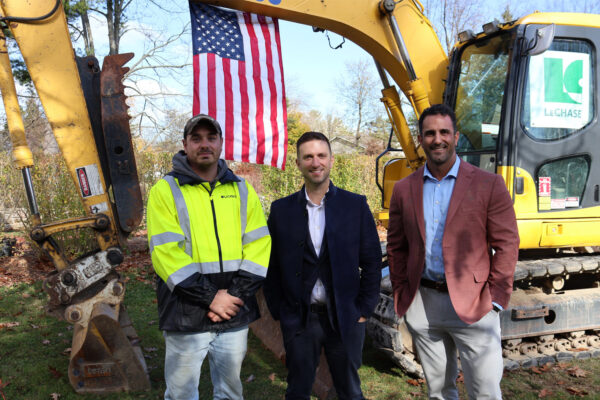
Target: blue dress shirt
436,198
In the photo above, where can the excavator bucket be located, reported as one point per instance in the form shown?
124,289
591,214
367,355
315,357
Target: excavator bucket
106,356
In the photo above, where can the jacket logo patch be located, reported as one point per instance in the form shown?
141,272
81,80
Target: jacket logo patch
228,196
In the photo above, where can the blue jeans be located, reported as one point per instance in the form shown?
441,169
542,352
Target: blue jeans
185,353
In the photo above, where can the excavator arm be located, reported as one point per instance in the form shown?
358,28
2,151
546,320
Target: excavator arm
398,36
370,24
88,116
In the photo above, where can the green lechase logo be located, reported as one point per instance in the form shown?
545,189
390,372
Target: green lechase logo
559,95
562,87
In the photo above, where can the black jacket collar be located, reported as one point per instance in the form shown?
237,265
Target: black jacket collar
301,195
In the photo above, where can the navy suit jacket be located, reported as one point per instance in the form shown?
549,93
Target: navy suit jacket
352,242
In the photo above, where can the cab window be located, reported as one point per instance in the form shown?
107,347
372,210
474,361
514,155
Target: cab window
558,98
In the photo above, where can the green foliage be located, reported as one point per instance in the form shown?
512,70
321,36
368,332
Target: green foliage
56,195
352,172
151,167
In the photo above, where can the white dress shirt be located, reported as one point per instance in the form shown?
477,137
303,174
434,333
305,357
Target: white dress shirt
316,227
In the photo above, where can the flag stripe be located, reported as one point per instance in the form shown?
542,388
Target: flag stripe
258,90
281,108
229,110
196,101
273,93
211,95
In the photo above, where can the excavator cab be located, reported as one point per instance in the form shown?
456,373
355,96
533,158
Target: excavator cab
528,113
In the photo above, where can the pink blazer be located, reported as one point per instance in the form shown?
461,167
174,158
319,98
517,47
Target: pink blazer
480,218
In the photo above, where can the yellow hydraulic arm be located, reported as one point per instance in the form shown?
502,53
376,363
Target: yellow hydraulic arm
398,36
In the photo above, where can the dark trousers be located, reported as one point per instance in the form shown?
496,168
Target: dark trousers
304,350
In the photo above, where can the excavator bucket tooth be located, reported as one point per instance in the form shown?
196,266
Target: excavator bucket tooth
106,356
117,140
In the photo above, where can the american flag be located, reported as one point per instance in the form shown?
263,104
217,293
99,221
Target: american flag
238,80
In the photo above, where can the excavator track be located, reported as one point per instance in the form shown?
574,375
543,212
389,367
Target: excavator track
553,316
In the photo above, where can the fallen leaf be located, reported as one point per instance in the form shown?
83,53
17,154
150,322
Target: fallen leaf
8,324
67,351
54,396
57,374
460,378
413,382
150,349
579,349
272,377
576,372
34,326
250,378
544,393
560,383
546,367
562,365
3,385
155,301
26,295
45,342
536,370
575,391
151,322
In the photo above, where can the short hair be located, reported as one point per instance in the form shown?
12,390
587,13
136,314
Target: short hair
309,136
437,109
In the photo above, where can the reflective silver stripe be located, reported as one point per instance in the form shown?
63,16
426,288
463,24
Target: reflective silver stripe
256,234
243,190
254,268
182,213
214,267
182,274
165,237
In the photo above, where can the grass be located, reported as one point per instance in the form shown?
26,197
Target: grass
34,360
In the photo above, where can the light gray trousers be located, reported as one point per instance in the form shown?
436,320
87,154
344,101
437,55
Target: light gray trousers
438,333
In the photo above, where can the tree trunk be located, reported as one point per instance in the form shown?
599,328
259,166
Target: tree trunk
113,41
357,134
87,34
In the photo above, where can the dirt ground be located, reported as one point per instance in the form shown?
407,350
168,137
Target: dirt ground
26,266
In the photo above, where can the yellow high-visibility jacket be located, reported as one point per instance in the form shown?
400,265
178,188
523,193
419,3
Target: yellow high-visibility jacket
203,238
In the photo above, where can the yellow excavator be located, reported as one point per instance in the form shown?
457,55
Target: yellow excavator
526,97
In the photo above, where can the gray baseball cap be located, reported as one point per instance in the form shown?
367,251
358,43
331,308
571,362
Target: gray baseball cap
198,118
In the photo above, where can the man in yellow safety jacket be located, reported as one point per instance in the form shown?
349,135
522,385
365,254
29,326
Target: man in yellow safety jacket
210,249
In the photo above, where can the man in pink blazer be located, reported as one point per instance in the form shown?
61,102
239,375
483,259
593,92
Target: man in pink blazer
452,247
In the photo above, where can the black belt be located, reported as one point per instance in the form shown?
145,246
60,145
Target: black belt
318,308
440,286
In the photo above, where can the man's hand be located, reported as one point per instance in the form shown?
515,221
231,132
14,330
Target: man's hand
213,317
361,319
224,306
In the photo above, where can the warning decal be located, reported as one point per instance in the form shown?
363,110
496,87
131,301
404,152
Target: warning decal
545,186
89,181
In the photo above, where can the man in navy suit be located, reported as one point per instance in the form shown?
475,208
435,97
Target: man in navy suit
324,274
